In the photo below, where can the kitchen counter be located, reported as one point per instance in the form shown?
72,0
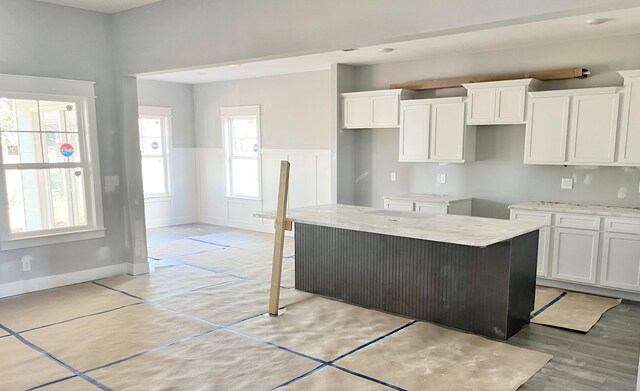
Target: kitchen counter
454,229
579,208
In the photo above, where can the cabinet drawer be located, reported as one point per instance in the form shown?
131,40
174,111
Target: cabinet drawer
631,226
431,208
534,217
398,205
578,221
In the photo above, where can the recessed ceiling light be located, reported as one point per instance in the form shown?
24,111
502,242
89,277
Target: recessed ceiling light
386,50
234,65
201,73
596,21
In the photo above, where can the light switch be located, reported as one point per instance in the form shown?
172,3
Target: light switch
567,183
393,177
442,178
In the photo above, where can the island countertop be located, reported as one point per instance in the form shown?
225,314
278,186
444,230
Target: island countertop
464,230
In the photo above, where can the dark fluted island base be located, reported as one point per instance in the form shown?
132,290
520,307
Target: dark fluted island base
485,290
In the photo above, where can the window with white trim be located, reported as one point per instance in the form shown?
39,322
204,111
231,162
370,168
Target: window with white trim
47,164
155,125
241,126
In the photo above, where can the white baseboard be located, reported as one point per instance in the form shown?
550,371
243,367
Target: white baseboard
136,269
266,228
48,282
594,290
157,223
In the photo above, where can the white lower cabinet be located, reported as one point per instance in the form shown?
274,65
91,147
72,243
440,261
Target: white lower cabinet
544,241
431,208
575,255
621,261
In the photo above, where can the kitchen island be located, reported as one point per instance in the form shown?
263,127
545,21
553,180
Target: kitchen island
470,273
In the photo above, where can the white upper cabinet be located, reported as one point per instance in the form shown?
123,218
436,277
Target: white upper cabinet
546,130
498,102
593,128
434,130
414,132
372,109
629,145
572,127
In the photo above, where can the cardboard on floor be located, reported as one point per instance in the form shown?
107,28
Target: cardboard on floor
424,356
230,302
37,309
97,340
322,328
221,360
329,378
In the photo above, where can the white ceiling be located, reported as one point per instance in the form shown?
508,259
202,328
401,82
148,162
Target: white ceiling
622,22
105,6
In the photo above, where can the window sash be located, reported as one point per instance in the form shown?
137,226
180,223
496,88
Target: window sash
228,114
165,121
90,201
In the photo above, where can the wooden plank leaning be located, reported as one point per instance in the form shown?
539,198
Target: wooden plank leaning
281,225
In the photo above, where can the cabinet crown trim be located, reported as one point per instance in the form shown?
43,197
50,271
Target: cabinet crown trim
630,73
578,91
503,83
416,102
376,92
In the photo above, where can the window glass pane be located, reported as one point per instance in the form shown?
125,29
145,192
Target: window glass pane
244,136
21,147
45,199
150,127
152,146
19,114
58,116
61,147
244,177
153,176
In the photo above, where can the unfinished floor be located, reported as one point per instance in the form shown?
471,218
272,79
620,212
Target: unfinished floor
196,323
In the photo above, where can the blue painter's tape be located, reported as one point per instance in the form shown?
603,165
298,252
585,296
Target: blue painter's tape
368,378
295,379
54,358
552,302
118,290
204,241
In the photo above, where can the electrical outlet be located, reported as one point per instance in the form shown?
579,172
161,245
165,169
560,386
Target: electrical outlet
111,181
442,178
567,184
26,263
393,177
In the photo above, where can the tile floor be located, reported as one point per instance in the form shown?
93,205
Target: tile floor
197,323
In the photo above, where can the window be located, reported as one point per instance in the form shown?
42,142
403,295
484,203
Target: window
46,163
241,127
155,124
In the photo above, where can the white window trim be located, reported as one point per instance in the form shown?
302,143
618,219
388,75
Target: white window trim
240,111
39,88
162,112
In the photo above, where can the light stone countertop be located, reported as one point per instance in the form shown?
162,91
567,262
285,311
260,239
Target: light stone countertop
599,210
431,198
465,230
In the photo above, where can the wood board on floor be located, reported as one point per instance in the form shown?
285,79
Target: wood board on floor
571,310
424,356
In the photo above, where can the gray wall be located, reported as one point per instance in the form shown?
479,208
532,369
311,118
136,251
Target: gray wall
295,108
44,40
180,98
498,177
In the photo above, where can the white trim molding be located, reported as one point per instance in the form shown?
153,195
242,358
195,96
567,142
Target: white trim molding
136,269
58,280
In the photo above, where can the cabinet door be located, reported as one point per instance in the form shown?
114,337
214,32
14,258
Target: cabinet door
544,240
546,130
510,103
593,127
630,131
621,261
481,106
398,205
431,208
384,111
414,133
575,255
356,112
446,133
